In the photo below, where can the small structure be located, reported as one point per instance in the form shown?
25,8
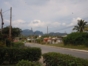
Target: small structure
16,39
30,39
53,40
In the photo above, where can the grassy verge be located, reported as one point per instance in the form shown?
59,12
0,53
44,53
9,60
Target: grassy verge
36,64
81,47
7,65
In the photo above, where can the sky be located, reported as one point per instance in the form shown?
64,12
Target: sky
58,15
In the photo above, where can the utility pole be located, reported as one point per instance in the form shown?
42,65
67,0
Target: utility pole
31,36
1,22
10,27
47,30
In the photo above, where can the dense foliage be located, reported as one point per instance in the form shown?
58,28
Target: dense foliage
57,59
13,55
24,63
27,63
4,41
15,31
18,45
76,39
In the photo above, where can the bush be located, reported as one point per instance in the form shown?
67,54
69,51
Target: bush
13,55
5,43
27,63
39,40
8,43
57,59
2,44
18,44
76,39
24,63
4,40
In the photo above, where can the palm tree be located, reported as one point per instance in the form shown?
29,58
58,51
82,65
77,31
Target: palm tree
86,28
80,26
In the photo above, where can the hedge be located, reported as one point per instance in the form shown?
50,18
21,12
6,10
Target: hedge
18,45
57,59
13,55
27,63
76,38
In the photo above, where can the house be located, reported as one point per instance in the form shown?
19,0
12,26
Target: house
16,39
53,40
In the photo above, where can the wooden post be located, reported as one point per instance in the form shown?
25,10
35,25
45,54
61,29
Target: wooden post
10,27
1,22
47,30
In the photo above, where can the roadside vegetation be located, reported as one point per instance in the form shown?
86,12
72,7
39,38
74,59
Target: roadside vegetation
57,59
13,52
78,39
75,40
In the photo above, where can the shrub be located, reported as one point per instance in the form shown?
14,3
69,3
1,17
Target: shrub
39,40
18,44
27,63
24,63
76,39
8,43
57,59
2,44
13,55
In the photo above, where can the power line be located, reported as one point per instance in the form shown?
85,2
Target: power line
65,28
6,11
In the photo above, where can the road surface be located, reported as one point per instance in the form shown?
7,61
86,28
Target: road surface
45,49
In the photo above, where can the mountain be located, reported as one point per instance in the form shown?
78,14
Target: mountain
28,32
57,34
38,33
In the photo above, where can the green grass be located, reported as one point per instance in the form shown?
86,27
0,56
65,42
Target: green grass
81,47
7,65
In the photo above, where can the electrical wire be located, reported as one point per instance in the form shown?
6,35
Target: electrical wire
6,11
64,28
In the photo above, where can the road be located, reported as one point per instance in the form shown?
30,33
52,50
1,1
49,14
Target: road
45,49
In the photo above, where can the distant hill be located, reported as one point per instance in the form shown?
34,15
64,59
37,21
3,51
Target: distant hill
57,34
38,33
28,32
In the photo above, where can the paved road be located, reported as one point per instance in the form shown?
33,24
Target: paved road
45,49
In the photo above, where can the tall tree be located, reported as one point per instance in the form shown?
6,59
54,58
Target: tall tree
15,31
80,26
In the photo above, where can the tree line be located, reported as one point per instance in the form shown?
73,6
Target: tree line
80,37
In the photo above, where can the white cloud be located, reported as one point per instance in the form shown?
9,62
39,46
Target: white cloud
53,13
38,23
7,4
64,24
79,18
74,21
19,21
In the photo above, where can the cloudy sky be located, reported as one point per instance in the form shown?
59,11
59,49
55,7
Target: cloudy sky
58,15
